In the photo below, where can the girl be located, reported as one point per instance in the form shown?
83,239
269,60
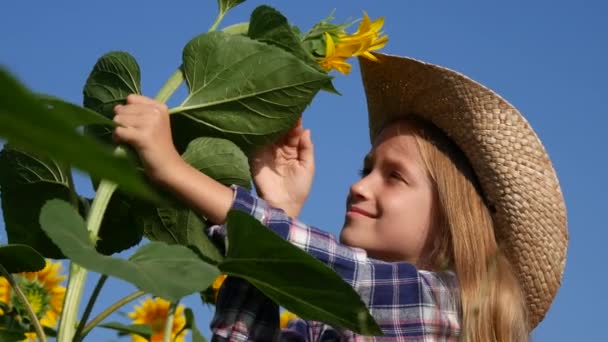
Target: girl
455,231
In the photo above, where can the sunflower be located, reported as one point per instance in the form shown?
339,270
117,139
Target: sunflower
43,291
154,312
338,49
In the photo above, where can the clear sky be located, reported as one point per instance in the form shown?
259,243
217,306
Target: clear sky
548,58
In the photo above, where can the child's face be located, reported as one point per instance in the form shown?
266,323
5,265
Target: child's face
390,209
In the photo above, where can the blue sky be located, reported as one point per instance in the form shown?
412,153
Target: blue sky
548,58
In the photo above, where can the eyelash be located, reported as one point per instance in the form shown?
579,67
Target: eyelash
365,171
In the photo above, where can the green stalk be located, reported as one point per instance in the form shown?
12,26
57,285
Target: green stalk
169,322
174,81
89,307
78,274
110,310
28,307
217,21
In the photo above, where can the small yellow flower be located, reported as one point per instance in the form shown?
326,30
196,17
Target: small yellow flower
367,38
42,290
286,316
154,312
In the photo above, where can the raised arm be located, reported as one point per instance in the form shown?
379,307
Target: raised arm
144,124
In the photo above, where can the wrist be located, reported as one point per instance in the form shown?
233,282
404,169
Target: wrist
168,170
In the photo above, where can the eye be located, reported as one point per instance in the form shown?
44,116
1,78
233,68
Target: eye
397,176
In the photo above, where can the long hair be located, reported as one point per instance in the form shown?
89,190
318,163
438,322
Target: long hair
492,303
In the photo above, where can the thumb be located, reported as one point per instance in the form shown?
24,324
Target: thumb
306,150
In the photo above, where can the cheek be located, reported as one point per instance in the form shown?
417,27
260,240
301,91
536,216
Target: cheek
405,220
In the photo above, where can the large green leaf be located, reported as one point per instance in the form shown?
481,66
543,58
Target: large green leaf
27,123
269,26
28,181
167,271
219,159
18,258
177,224
115,75
291,277
75,115
244,90
119,227
143,330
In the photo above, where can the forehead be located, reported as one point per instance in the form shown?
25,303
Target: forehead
398,138
397,143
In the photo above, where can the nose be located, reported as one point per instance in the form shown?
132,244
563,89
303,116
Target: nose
361,189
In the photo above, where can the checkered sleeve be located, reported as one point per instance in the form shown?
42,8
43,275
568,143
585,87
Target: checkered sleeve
403,301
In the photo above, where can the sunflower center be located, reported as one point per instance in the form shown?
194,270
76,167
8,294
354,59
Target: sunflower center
38,297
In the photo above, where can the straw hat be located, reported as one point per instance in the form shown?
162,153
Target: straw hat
514,170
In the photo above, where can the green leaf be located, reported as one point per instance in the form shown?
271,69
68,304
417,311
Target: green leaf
25,122
177,224
10,336
143,330
74,115
28,181
270,26
291,277
226,5
18,258
219,159
119,228
239,28
191,324
167,271
115,75
244,90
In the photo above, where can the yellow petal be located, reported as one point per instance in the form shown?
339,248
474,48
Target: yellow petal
286,316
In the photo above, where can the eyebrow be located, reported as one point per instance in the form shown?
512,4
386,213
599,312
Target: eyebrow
395,162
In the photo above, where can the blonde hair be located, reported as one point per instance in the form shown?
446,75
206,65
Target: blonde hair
492,303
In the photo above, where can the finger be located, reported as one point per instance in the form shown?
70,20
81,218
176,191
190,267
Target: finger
140,99
132,109
306,149
125,135
126,120
293,136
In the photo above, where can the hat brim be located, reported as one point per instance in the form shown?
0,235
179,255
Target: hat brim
512,166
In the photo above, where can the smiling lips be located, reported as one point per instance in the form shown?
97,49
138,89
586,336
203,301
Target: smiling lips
359,211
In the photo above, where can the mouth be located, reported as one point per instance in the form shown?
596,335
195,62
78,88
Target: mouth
356,211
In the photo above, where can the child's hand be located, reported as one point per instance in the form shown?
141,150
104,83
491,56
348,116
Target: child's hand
144,124
283,171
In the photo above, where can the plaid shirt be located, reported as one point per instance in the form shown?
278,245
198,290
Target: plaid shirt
408,304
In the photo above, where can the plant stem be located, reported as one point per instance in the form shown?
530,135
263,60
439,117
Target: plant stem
110,310
169,322
28,307
104,193
174,81
78,274
89,308
217,21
